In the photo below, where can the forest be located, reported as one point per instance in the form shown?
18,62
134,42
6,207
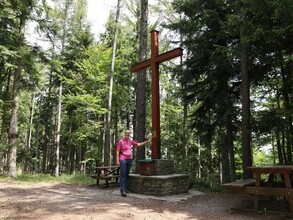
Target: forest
67,95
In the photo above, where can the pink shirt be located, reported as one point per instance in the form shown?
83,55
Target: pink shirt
126,150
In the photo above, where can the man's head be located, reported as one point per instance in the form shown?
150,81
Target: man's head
127,134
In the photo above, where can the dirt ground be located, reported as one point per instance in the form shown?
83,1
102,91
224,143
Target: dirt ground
62,201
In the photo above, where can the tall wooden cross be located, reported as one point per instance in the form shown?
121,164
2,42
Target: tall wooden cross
154,62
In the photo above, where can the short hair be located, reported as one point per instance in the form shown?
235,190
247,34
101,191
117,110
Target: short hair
127,130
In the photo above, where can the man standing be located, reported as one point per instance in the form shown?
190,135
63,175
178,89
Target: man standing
124,158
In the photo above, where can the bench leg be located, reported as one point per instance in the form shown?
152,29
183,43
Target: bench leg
256,197
256,202
98,173
289,185
290,199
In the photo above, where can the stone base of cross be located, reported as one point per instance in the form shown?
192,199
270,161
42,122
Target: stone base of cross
154,62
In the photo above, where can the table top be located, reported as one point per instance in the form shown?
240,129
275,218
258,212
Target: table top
107,167
271,169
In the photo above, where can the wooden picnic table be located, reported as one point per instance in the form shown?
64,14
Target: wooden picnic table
107,173
278,183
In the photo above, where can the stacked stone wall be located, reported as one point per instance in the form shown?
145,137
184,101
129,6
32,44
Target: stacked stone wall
158,185
157,178
163,167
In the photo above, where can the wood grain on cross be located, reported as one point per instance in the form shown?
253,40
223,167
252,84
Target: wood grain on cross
154,62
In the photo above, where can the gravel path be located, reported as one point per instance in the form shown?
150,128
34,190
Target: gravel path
61,201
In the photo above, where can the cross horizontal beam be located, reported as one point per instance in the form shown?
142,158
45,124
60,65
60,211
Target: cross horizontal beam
158,59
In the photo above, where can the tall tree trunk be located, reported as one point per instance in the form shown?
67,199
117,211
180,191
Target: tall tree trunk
5,121
185,131
29,133
288,113
225,132
37,142
115,124
47,124
72,159
141,84
281,155
230,146
224,158
199,159
100,143
13,130
108,123
229,128
59,109
185,116
245,89
5,114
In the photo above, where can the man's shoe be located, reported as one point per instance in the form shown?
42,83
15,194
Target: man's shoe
123,194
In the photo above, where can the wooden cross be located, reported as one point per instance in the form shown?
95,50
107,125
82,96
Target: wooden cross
154,62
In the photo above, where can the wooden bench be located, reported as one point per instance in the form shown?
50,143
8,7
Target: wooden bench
270,186
273,186
239,186
106,173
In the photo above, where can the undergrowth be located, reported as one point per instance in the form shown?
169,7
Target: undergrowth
205,184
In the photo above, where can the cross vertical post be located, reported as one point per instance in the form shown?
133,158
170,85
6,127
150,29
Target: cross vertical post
156,130
154,62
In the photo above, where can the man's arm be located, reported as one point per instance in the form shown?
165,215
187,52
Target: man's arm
143,143
118,153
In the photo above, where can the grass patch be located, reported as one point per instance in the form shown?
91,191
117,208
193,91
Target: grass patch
77,179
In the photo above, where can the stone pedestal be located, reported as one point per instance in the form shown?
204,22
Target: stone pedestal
152,167
158,185
157,178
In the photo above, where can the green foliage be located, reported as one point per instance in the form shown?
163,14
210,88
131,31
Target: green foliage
263,157
86,97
